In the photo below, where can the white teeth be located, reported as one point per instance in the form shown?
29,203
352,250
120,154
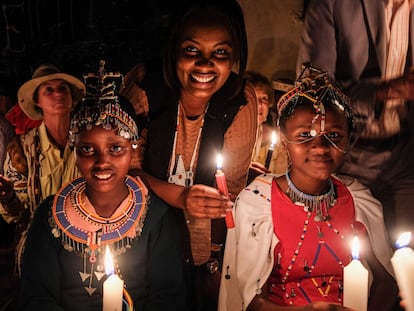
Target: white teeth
104,176
203,79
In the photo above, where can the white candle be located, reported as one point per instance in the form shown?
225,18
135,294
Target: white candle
403,264
355,281
112,287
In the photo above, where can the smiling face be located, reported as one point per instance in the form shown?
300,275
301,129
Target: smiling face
314,159
103,158
54,97
205,56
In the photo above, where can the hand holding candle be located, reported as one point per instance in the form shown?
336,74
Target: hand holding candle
112,287
403,264
222,187
355,282
270,150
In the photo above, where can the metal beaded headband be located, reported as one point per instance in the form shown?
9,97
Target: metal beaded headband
102,106
316,87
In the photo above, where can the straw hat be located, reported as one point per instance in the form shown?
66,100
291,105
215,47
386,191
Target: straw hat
46,72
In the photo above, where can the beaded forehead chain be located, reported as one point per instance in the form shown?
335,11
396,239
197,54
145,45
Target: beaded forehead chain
315,85
102,106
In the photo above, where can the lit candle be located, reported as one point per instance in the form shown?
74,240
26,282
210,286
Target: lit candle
222,187
403,264
270,150
355,281
112,287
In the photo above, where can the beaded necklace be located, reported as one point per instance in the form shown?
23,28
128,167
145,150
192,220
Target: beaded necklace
318,203
177,172
116,231
84,209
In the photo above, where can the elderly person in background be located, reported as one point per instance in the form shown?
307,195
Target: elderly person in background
38,163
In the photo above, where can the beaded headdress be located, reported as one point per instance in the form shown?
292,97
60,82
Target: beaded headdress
315,86
103,106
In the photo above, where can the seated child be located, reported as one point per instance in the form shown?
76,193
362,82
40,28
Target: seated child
63,263
292,233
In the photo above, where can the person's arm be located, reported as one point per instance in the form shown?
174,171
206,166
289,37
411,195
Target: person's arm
15,171
10,205
239,141
399,88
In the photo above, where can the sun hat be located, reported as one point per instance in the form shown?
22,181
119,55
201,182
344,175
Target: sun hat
46,72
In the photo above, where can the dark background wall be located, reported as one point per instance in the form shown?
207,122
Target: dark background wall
75,34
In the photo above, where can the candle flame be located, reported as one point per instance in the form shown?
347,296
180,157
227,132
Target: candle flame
109,262
403,240
355,248
274,137
219,160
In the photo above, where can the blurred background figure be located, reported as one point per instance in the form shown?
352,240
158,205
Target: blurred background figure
261,161
20,121
367,48
40,161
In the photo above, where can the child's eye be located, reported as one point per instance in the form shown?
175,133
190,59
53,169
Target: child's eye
116,149
305,135
334,135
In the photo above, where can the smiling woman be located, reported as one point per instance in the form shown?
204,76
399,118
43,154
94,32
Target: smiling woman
197,107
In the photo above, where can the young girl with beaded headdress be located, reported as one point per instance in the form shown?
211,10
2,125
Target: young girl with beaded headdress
293,231
103,211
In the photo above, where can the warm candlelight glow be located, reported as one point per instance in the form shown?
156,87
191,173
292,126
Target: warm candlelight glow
403,264
403,240
355,281
112,287
355,248
109,263
274,138
219,160
222,187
